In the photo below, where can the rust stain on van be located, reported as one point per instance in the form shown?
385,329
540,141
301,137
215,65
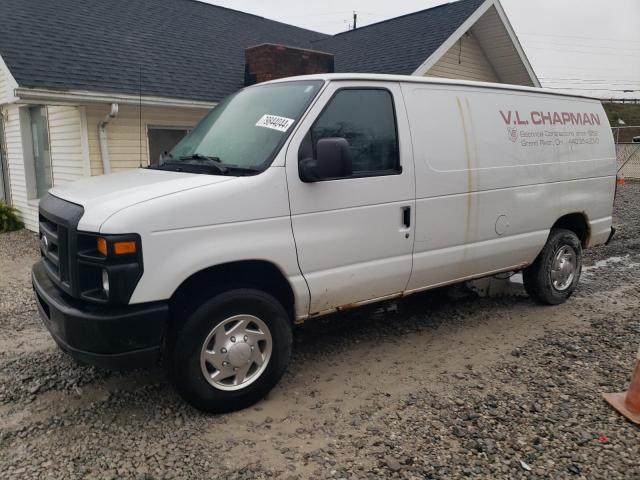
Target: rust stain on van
398,295
467,223
352,305
473,170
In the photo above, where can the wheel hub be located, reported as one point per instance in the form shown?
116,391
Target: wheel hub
239,354
563,268
236,352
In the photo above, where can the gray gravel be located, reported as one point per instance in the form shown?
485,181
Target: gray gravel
440,385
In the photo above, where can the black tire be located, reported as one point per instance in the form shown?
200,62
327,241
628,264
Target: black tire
185,368
537,277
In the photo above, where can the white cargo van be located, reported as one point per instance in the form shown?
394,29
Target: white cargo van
299,197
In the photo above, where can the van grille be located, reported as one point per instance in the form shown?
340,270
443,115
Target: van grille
54,245
58,221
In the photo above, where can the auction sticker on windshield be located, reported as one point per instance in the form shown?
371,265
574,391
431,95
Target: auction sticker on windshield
275,122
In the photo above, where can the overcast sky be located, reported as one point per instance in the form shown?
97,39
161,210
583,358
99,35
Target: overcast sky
591,45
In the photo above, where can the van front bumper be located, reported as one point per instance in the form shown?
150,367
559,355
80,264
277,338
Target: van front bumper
117,338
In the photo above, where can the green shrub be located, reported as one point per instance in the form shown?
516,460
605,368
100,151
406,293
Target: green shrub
9,220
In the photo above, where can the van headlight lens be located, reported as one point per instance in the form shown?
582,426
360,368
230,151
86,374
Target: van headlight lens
109,266
105,281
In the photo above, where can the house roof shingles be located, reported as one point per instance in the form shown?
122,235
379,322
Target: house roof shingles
188,49
399,45
179,48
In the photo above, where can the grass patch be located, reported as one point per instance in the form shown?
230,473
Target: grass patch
9,220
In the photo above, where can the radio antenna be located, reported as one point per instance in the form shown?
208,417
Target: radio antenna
140,108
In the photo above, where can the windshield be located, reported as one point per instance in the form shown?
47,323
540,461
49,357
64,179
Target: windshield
244,131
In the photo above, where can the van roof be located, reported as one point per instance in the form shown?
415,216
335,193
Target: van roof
335,77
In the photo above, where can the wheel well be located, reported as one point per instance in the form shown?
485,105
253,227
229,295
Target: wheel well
577,223
259,274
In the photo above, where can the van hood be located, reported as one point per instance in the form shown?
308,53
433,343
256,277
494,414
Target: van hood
104,195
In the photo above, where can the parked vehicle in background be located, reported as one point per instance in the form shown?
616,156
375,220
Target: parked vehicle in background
635,139
300,197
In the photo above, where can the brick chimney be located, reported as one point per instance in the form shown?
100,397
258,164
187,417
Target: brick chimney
269,61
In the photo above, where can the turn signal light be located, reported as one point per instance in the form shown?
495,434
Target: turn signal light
102,246
124,248
119,248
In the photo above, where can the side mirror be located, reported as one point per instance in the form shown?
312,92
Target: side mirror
333,160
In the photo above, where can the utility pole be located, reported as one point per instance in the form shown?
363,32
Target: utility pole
355,19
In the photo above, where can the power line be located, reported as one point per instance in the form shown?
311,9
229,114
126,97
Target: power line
581,43
542,42
590,67
587,53
318,14
335,22
608,81
530,34
594,89
591,82
588,85
593,79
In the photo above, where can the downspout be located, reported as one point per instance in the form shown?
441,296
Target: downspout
102,138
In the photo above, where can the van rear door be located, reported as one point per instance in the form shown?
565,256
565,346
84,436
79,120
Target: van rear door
354,233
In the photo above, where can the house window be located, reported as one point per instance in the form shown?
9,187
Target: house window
163,139
35,149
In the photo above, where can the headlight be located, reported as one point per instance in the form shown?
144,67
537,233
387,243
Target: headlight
109,266
105,281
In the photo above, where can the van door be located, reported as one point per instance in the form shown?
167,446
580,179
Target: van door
354,233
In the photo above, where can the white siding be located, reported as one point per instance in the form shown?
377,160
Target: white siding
68,148
19,197
466,61
65,141
7,84
127,147
500,50
4,85
65,149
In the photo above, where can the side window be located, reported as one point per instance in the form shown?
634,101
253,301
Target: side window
366,119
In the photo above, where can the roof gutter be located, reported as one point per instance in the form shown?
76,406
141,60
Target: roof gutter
102,138
75,97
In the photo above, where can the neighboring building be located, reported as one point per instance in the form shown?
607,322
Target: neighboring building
106,85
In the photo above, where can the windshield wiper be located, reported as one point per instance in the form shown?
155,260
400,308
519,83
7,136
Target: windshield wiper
248,170
200,161
210,161
186,167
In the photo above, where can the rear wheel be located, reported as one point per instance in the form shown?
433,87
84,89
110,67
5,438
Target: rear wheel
554,275
231,351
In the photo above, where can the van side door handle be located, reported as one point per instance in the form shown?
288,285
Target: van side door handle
406,217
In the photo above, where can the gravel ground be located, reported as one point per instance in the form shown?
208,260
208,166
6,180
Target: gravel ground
439,385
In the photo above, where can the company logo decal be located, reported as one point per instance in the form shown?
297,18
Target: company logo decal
538,128
515,117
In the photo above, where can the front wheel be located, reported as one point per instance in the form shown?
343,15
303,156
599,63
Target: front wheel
231,351
554,275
